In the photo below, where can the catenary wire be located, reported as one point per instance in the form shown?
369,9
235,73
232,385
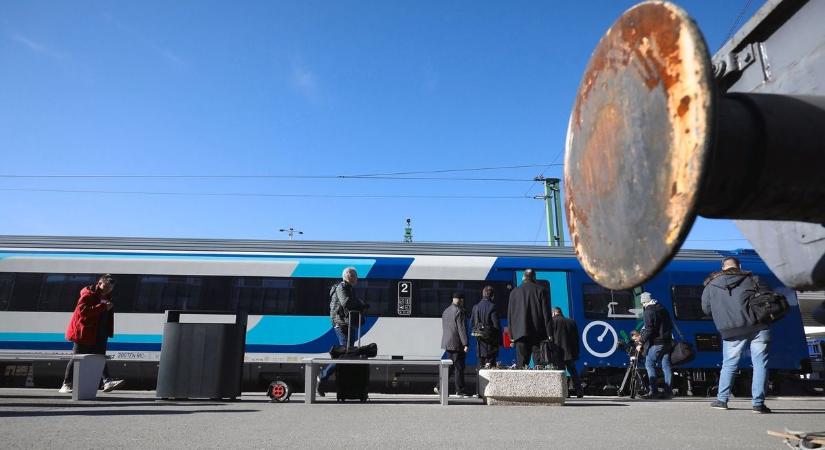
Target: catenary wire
252,194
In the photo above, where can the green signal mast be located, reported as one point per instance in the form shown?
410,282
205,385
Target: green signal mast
552,199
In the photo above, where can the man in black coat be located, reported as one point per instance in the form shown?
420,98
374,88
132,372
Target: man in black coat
529,317
484,317
454,340
566,347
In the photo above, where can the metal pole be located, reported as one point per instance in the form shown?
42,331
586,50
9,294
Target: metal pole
559,234
548,212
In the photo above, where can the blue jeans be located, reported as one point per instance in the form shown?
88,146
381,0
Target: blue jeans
657,353
732,351
341,334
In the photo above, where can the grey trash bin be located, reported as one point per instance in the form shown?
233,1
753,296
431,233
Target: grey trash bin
201,359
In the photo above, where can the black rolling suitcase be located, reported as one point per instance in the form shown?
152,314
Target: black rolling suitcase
352,380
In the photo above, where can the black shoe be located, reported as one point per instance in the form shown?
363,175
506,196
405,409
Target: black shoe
579,395
665,396
761,409
719,405
649,395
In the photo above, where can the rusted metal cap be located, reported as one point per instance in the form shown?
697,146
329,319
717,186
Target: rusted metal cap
637,143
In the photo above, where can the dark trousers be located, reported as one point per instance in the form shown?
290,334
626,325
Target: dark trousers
484,360
525,349
98,348
570,365
458,357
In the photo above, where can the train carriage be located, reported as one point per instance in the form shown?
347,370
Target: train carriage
283,286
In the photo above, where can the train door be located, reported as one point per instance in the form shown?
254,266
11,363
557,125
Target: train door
557,285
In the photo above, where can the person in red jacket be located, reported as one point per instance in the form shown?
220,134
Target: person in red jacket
91,326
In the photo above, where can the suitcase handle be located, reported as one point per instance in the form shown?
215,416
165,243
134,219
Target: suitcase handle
349,329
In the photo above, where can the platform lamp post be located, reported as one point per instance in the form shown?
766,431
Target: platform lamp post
290,231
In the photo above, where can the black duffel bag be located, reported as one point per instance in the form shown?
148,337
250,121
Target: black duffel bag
362,352
681,352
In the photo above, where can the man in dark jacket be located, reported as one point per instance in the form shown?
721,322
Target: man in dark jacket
342,302
454,340
725,299
566,347
91,326
530,321
484,316
657,339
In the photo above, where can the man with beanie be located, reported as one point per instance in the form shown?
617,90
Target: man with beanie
656,338
454,340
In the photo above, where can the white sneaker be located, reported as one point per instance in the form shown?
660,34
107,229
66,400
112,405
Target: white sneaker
65,389
111,385
435,389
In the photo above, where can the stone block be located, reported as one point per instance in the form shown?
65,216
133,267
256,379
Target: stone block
523,387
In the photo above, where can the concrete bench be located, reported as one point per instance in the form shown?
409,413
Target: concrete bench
523,387
88,369
312,365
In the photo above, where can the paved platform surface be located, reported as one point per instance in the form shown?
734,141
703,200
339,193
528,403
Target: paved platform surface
38,418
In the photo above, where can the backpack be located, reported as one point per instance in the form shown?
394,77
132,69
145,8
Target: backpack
768,306
484,333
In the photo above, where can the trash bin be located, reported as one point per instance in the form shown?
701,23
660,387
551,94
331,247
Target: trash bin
202,357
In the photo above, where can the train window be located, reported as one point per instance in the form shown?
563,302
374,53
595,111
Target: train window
59,292
602,303
381,295
708,342
263,295
431,297
6,285
687,303
157,293
312,296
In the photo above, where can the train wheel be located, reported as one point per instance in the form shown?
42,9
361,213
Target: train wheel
279,391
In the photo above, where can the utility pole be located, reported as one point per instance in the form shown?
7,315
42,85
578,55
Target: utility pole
552,201
408,231
290,231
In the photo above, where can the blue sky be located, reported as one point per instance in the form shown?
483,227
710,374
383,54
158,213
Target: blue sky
299,89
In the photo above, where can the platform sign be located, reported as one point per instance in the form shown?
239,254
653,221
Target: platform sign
404,298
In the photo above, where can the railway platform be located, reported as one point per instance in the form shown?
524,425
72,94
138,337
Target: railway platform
42,418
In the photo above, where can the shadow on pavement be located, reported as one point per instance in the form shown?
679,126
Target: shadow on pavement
577,404
99,404
798,411
114,412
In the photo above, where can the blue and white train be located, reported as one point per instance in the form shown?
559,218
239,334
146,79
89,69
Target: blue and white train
284,285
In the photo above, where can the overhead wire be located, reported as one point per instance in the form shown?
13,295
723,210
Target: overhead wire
367,176
253,194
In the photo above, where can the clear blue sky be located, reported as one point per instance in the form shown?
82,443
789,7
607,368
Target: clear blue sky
298,88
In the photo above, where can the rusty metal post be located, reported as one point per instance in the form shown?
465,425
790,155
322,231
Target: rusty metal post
651,144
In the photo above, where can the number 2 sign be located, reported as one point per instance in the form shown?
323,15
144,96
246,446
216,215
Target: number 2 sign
404,298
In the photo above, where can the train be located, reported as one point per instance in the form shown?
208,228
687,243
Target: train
283,286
